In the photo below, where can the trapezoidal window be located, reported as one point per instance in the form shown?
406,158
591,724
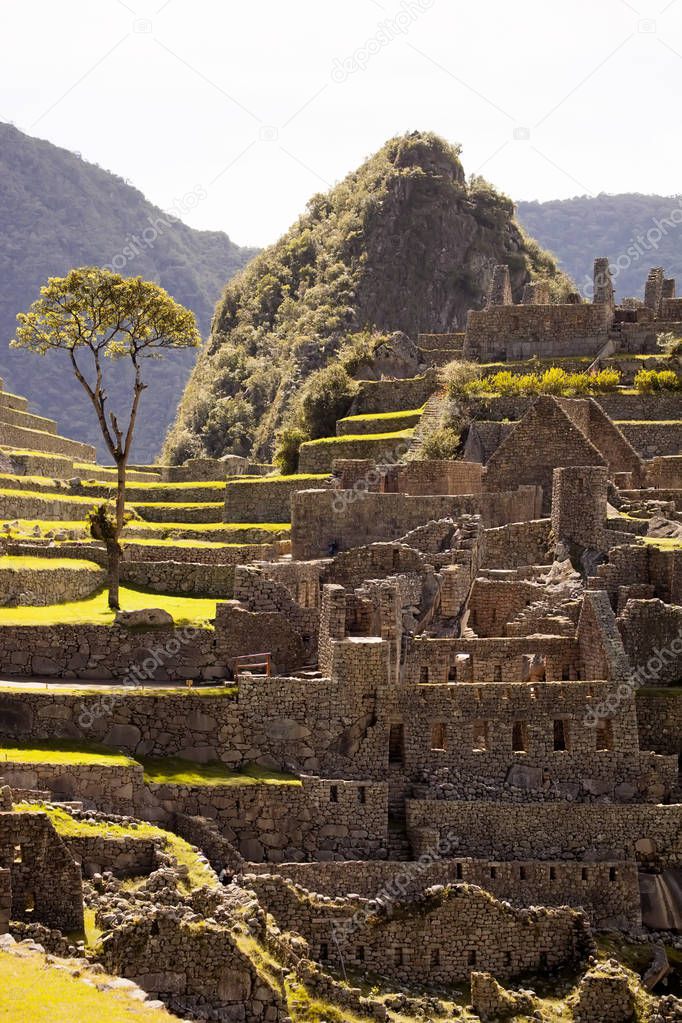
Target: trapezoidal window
480,736
396,745
424,675
604,734
438,738
561,735
519,737
452,673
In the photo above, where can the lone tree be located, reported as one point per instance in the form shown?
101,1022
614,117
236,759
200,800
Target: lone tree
93,314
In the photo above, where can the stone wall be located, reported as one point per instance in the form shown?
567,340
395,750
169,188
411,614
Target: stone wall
263,500
545,331
180,577
659,717
655,438
652,636
5,899
323,521
45,879
549,831
29,586
195,967
517,544
591,888
317,456
388,395
437,937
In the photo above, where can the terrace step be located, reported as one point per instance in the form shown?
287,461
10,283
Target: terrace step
13,401
172,512
39,441
17,417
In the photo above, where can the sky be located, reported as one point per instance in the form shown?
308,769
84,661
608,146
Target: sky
232,114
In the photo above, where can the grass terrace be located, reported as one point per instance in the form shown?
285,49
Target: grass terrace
62,751
176,771
361,438
302,477
94,610
12,563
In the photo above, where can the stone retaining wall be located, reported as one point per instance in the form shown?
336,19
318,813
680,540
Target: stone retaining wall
549,831
317,456
388,395
654,439
265,501
40,586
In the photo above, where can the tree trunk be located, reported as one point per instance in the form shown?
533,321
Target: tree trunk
114,571
113,548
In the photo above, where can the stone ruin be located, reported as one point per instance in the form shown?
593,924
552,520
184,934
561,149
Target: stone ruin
470,669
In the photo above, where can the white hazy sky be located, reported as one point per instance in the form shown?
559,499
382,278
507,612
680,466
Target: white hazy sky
260,103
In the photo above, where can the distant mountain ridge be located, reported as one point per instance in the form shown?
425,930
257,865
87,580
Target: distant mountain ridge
58,211
635,231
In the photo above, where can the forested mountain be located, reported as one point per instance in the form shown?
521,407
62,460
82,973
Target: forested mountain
635,231
57,211
402,243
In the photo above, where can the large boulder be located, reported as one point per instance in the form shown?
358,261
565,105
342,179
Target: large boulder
145,617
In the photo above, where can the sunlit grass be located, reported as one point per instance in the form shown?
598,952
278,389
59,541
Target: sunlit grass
33,990
94,610
63,751
176,771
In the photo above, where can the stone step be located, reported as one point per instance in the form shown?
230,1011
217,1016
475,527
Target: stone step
17,417
39,441
13,401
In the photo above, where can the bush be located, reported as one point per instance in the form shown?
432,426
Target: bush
650,381
553,381
604,380
326,397
289,441
459,376
440,442
670,344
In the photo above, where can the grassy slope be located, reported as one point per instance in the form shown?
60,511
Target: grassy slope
31,989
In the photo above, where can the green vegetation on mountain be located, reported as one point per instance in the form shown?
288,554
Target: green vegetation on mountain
404,243
56,212
635,231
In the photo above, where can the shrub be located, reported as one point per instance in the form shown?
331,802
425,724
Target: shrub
459,376
649,381
289,441
326,397
554,381
604,380
440,442
670,344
